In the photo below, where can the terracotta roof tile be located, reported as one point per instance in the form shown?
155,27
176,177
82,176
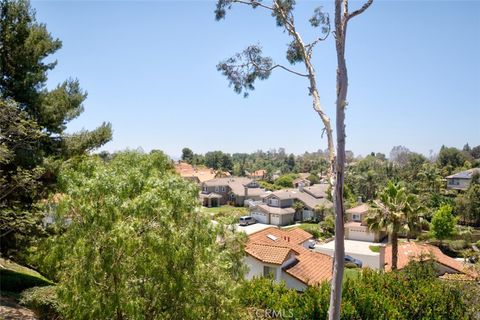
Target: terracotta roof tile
268,253
310,268
408,251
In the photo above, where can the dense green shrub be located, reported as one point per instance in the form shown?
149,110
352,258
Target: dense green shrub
413,293
43,301
314,230
350,265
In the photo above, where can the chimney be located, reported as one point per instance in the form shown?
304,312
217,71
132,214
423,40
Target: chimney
359,200
300,186
382,257
246,192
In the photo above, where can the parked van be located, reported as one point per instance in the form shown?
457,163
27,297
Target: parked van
247,220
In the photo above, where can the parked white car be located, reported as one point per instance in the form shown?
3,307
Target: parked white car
247,220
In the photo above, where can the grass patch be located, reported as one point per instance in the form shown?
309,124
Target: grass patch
16,278
374,248
352,273
225,212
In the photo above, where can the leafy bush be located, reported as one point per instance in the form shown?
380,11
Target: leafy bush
414,293
313,229
43,301
350,265
478,244
458,244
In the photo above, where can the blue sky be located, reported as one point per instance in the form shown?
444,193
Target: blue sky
149,69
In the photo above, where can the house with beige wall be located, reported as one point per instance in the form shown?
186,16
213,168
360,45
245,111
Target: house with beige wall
277,207
229,190
356,227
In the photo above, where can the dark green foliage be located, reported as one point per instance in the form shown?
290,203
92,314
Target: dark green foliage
294,54
219,161
33,120
450,159
15,281
244,68
413,293
187,155
467,204
43,301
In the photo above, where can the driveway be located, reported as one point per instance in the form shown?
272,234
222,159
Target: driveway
252,228
356,249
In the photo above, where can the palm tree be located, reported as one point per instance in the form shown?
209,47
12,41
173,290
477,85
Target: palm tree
395,210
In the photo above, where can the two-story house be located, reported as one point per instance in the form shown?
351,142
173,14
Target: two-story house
356,227
229,190
278,207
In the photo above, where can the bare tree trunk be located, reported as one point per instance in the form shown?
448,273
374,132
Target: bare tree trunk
341,20
342,85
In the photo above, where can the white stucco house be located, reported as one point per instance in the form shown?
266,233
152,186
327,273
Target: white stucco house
284,255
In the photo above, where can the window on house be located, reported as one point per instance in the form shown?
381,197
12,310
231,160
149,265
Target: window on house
223,189
273,202
356,217
216,189
205,189
268,272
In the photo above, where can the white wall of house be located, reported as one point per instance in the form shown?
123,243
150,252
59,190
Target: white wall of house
254,266
260,216
293,283
360,233
456,183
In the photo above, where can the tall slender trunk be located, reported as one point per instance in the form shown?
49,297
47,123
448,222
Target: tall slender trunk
342,86
394,249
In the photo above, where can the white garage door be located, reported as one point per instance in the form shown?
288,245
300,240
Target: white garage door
356,234
260,217
275,219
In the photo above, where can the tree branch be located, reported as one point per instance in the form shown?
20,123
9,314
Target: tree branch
310,46
359,11
275,66
254,4
284,68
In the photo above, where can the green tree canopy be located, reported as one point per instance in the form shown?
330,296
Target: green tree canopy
443,223
187,155
138,247
34,120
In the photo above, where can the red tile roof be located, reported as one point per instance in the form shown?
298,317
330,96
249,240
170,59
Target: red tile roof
274,244
268,253
408,251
